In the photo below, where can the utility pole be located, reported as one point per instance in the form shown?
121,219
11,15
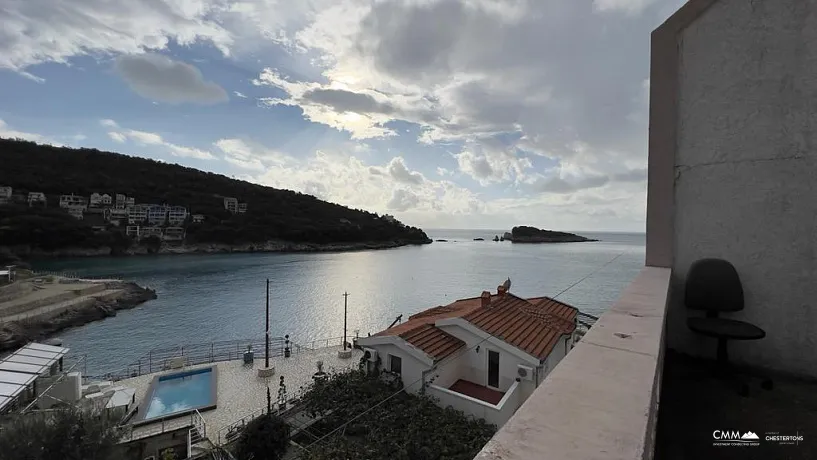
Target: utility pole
345,302
266,342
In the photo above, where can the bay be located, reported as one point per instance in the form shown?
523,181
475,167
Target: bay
204,298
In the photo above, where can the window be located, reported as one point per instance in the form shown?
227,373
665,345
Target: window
493,368
395,364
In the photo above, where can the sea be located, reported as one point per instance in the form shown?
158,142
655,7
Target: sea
215,297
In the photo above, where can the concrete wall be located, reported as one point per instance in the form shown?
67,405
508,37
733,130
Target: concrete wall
477,409
745,171
474,366
601,401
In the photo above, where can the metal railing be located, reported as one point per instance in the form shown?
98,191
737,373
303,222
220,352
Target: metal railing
131,433
231,432
586,320
161,359
75,275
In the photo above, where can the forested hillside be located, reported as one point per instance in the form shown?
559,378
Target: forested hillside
272,214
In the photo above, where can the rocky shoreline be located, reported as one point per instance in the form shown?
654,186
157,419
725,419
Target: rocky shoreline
204,248
14,334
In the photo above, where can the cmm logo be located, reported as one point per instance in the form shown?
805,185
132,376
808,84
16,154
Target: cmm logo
730,438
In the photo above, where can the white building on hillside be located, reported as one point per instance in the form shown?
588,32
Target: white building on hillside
72,200
483,356
5,194
231,204
77,212
157,215
242,208
176,215
100,200
137,214
37,199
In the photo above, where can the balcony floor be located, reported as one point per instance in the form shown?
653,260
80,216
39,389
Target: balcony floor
694,404
480,392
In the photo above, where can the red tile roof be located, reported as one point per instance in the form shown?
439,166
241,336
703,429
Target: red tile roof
532,325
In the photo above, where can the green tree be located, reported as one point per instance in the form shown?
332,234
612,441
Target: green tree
265,438
67,433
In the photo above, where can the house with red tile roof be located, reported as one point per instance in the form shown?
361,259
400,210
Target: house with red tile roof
483,355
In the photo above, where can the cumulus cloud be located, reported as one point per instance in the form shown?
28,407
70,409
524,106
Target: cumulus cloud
123,135
162,79
493,80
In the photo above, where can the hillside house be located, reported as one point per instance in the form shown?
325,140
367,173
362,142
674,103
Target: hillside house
242,208
100,200
36,199
157,215
176,215
137,214
484,355
115,216
145,232
174,234
132,231
77,212
67,201
197,218
5,195
231,204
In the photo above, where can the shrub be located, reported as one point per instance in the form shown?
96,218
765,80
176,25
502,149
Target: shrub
65,433
265,438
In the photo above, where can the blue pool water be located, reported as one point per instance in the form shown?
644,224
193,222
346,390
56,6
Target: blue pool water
182,392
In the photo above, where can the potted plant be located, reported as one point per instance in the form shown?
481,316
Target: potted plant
282,394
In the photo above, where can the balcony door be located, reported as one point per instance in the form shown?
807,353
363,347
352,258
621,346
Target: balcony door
493,369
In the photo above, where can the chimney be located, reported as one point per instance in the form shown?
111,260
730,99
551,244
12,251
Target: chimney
486,299
501,290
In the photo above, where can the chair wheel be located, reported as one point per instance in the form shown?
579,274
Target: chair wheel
744,390
767,384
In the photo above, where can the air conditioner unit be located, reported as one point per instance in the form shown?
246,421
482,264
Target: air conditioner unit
524,373
372,354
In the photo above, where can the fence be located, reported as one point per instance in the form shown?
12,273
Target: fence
231,432
160,359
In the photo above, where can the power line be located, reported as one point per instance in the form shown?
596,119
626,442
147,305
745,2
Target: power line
446,361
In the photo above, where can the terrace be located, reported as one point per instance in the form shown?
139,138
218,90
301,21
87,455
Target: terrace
727,179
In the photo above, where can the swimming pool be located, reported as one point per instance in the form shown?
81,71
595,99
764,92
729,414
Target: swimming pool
178,394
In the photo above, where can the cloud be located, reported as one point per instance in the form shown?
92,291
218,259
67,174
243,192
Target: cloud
240,94
37,31
627,6
245,155
7,132
162,79
123,135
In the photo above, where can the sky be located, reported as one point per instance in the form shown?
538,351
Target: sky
444,113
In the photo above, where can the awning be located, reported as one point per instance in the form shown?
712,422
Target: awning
21,368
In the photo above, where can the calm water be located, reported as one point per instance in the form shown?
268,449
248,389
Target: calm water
203,298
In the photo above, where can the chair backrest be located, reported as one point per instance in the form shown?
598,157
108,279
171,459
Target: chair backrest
713,285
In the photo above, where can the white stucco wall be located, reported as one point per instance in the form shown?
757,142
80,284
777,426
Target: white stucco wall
412,368
746,175
475,408
474,366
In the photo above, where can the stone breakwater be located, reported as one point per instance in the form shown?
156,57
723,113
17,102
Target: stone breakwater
49,319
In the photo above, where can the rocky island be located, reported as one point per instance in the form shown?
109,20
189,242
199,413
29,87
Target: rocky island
524,234
66,202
